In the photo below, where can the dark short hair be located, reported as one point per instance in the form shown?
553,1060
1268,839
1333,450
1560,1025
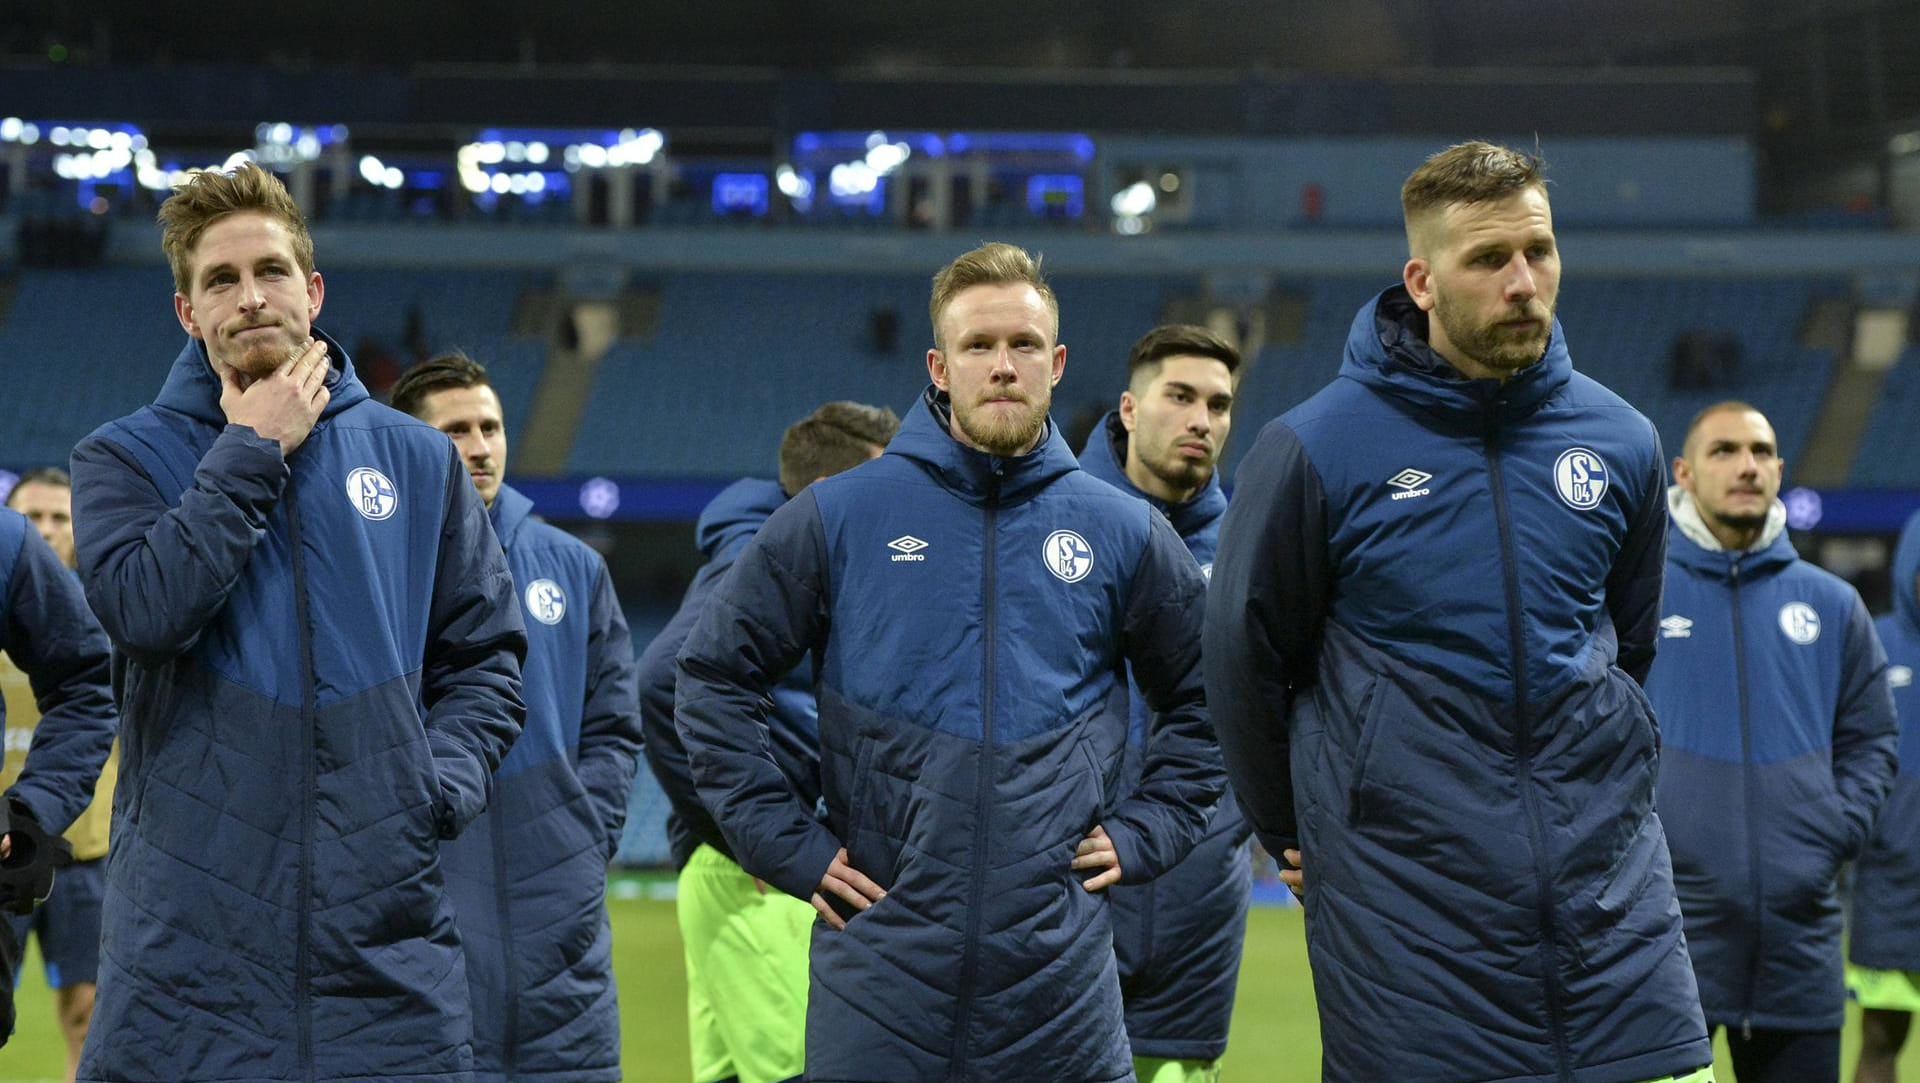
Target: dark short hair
442,373
838,436
43,475
1725,406
1474,172
1180,340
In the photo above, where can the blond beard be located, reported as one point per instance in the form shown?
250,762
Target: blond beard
1008,437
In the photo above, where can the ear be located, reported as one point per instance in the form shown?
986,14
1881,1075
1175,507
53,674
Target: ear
1682,473
316,293
1059,365
183,311
1127,408
1417,275
937,370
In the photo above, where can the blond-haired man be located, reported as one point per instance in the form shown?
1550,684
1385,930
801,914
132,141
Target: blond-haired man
322,657
969,598
1435,599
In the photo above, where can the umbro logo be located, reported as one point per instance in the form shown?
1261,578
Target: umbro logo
907,547
1411,483
1676,627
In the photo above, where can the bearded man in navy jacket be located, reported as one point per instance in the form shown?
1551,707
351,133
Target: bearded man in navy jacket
970,598
1772,694
1435,596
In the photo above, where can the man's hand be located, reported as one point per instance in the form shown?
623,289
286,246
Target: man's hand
1096,852
848,884
1292,874
282,405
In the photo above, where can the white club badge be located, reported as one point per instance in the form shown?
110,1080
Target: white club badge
373,496
1581,477
1067,556
1800,623
546,601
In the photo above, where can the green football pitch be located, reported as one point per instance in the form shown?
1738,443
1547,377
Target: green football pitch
1276,1038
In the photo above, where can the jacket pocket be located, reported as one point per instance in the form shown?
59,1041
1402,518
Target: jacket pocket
1617,891
1372,719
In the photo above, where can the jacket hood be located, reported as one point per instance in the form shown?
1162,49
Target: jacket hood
732,518
1692,545
510,511
1105,457
976,476
192,388
1387,350
1906,564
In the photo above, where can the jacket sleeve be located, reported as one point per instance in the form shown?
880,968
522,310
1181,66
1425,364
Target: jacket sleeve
610,718
476,644
763,617
666,753
53,638
157,575
1181,779
1866,731
1633,584
1272,581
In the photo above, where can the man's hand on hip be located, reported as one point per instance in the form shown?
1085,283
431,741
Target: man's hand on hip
848,884
1096,852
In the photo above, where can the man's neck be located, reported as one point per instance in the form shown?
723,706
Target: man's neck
1153,484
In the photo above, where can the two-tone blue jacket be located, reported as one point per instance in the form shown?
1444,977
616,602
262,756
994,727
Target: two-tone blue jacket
1432,602
1884,933
969,616
724,528
528,878
1178,938
46,628
1779,749
274,905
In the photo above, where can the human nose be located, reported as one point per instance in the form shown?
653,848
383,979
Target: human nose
1003,369
1520,285
252,297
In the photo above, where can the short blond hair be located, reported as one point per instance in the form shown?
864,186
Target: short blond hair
211,195
1466,173
991,264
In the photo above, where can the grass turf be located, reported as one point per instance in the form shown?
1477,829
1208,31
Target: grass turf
1276,1036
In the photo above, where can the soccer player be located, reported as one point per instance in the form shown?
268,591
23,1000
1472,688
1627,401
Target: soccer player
1178,938
528,878
47,632
319,662
745,946
1883,941
1436,590
969,598
68,923
1777,749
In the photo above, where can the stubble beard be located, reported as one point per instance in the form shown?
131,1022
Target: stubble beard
1005,436
1487,343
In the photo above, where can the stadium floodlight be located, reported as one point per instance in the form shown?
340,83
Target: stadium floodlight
599,498
373,170
10,129
1136,200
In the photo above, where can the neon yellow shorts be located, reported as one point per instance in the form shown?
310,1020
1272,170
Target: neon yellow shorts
1704,1075
1161,1070
746,973
1884,990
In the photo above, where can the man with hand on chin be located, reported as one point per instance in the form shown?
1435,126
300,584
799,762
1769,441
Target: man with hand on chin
969,599
319,660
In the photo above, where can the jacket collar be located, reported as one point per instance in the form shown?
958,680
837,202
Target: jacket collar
192,388
1105,458
1387,350
1906,564
1692,545
732,518
976,476
510,511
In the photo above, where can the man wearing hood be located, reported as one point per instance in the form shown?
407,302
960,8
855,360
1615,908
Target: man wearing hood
1435,594
528,878
318,659
1883,940
1779,740
969,599
1178,937
746,947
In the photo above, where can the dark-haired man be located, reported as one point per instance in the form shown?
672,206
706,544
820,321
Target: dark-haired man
1177,937
746,947
1436,591
68,923
528,877
318,661
1778,748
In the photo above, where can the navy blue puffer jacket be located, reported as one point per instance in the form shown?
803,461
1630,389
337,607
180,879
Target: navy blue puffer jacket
1886,880
274,906
1432,602
969,615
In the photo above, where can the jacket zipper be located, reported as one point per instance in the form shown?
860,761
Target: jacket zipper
983,799
303,1011
1523,737
1746,807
